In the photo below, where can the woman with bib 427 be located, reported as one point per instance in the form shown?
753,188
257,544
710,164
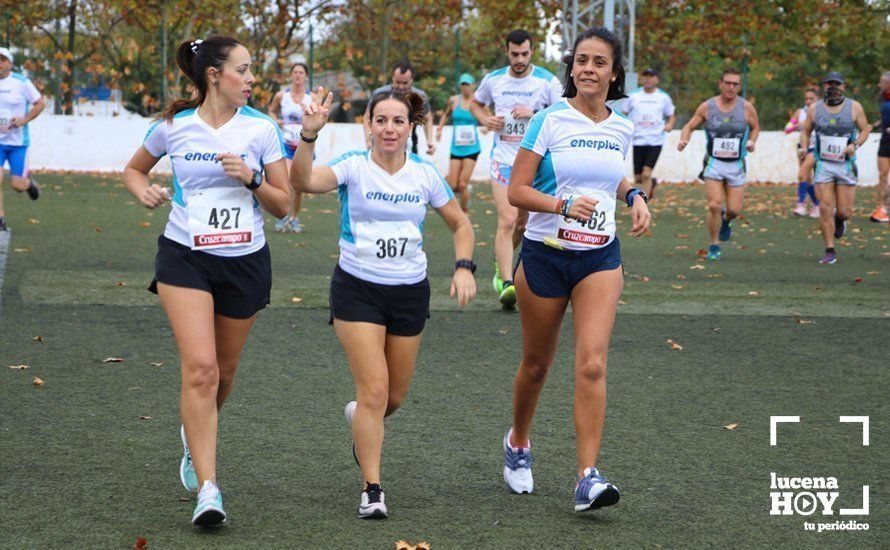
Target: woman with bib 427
213,269
380,294
569,175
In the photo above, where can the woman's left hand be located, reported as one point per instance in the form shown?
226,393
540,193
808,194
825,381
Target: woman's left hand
640,216
235,167
463,285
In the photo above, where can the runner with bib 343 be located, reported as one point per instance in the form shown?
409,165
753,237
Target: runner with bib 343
732,128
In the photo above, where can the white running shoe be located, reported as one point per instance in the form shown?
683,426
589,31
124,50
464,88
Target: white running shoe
814,212
373,504
800,209
349,411
518,467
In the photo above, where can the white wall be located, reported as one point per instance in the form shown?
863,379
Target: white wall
105,144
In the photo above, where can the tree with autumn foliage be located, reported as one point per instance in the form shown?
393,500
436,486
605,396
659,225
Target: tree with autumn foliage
784,46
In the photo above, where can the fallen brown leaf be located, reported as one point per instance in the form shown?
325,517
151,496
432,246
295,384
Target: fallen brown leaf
113,360
504,330
24,249
696,266
674,346
677,287
732,426
144,224
37,381
296,299
701,252
33,221
19,367
800,321
872,272
38,338
141,544
158,364
144,418
857,280
753,293
120,283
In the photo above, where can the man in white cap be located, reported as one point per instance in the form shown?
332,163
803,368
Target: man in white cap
20,103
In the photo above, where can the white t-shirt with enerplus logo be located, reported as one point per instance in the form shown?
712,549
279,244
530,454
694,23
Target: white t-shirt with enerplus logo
648,113
579,158
292,114
212,211
537,90
17,94
381,216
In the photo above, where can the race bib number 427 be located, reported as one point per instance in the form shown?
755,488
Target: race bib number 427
220,217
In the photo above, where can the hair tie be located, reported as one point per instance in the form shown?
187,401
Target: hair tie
194,45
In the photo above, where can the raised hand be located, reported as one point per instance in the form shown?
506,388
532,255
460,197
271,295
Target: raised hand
316,114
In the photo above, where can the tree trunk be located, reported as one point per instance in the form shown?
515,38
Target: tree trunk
68,98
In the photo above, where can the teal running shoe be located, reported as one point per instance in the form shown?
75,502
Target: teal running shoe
294,225
714,252
187,473
209,510
725,227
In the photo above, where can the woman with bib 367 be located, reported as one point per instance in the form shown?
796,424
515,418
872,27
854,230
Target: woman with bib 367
568,175
213,271
380,294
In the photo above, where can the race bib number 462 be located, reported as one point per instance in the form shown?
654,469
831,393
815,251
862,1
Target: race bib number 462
596,232
220,217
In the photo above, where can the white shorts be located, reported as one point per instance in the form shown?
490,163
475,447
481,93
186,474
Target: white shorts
730,171
842,173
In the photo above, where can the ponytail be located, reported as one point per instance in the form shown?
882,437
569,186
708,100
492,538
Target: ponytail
194,58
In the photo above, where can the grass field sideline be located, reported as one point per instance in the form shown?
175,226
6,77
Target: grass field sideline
765,331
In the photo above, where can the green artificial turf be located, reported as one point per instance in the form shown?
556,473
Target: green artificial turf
765,331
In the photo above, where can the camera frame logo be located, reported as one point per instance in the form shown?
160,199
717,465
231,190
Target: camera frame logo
805,496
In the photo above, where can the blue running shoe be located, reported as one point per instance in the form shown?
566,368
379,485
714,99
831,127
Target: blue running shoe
593,492
725,227
840,227
829,258
187,473
293,225
282,224
714,252
517,467
209,510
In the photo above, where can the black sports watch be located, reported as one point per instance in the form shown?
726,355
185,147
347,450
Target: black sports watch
255,181
629,198
308,140
465,264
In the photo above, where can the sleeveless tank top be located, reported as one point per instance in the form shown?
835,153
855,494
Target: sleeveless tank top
726,132
465,137
834,131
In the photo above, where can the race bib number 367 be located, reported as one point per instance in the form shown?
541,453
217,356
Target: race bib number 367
386,242
220,217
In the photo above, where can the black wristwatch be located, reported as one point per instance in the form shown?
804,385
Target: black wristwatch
255,181
629,198
308,140
465,264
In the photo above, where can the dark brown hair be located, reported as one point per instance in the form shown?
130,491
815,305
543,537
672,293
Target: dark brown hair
730,70
616,88
413,101
194,57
